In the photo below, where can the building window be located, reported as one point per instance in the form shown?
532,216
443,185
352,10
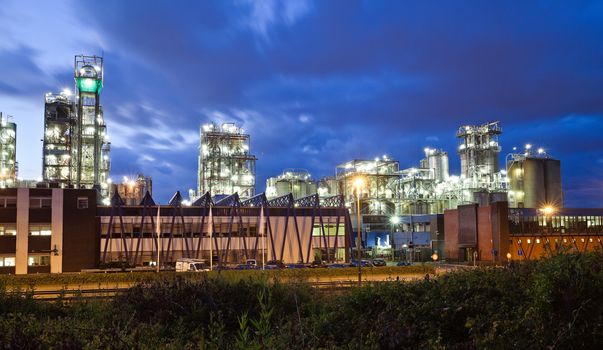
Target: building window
40,230
8,230
40,202
8,202
38,260
82,202
7,261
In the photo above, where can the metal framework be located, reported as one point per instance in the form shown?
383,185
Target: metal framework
59,123
90,148
183,228
380,192
8,147
76,147
225,164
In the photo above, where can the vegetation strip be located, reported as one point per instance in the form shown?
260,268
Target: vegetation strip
26,281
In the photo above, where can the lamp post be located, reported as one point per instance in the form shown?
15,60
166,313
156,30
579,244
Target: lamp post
358,184
394,221
548,212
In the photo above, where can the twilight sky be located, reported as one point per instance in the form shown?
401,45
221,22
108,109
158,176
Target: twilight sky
316,83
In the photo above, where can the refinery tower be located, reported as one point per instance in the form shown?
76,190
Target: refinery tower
76,147
8,147
226,165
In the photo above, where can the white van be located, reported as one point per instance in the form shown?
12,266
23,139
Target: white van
191,265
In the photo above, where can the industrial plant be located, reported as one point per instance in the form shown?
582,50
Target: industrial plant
412,214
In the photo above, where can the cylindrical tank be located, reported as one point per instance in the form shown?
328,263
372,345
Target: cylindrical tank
438,162
533,183
283,187
552,182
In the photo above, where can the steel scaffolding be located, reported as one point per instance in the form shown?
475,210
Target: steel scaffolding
226,165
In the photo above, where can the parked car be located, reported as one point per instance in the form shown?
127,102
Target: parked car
363,263
245,267
337,266
191,265
251,262
318,264
402,263
296,266
379,262
275,264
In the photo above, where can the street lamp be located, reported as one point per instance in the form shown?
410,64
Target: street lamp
548,211
359,184
394,221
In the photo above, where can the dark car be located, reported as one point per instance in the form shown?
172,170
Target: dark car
379,262
337,266
318,264
245,267
296,266
402,263
363,263
275,264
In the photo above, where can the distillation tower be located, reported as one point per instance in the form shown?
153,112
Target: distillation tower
8,147
226,165
479,151
76,147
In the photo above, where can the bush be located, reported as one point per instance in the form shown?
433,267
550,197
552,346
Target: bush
552,303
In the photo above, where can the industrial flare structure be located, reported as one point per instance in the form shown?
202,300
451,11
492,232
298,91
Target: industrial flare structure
8,148
76,146
226,165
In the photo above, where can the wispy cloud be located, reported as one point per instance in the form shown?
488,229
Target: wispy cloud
264,15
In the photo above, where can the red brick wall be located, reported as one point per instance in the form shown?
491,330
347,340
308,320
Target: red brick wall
451,238
484,233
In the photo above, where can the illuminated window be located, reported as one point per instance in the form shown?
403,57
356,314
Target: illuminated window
38,260
8,230
582,240
40,230
538,240
564,240
7,261
529,241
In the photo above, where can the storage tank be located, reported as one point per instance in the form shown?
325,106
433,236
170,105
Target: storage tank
552,180
438,161
535,182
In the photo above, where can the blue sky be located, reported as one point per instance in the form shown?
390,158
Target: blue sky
316,83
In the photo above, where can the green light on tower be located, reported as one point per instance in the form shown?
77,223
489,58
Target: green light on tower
89,85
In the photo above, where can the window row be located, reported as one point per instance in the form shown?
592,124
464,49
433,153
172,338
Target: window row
34,230
556,240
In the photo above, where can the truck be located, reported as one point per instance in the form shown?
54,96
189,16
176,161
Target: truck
191,265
